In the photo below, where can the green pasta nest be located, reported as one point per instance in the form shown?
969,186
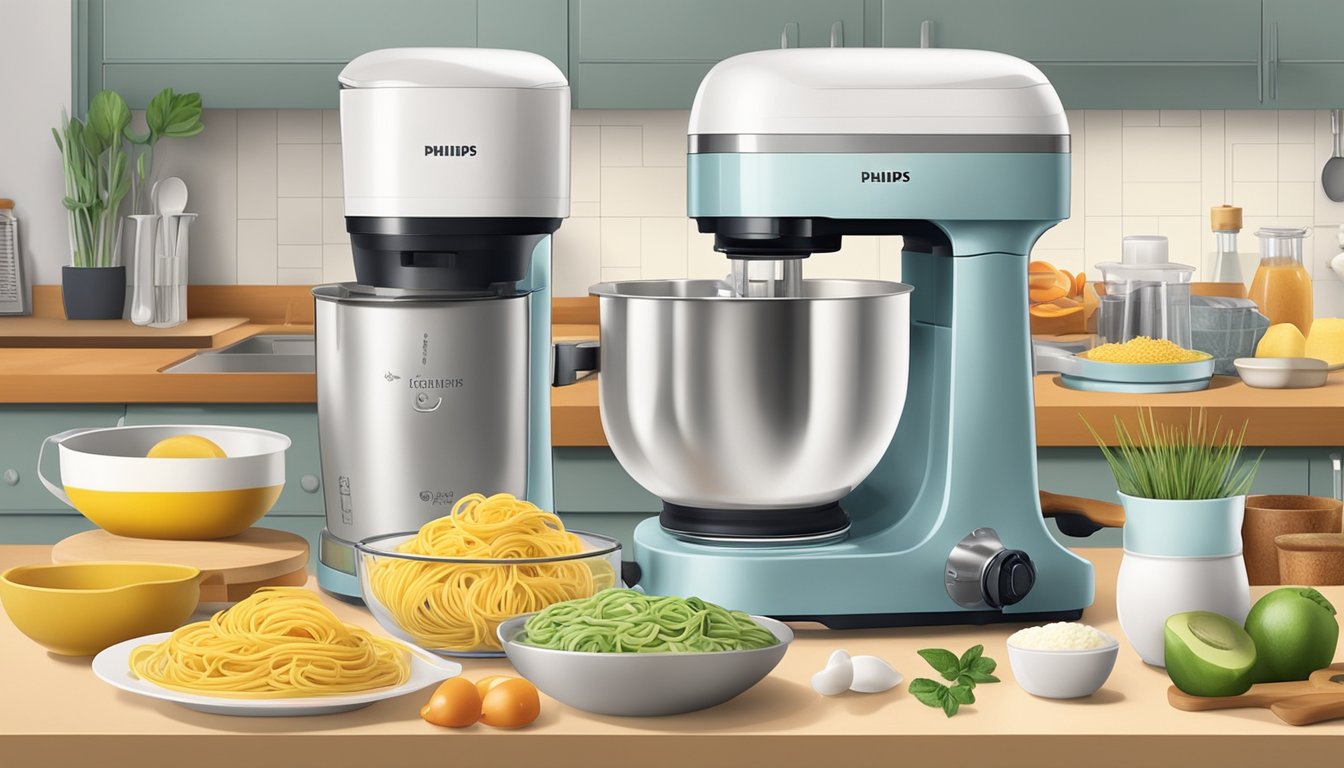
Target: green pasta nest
626,621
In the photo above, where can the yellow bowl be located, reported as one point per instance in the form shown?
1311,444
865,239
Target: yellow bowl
107,477
78,609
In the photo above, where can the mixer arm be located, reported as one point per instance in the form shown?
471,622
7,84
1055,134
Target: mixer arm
574,360
1081,517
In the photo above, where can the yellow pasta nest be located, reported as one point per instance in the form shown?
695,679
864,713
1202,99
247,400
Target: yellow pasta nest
456,606
1144,350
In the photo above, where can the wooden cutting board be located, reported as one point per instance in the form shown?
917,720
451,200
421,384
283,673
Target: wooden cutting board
233,568
58,332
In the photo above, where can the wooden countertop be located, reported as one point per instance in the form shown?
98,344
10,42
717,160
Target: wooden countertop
54,712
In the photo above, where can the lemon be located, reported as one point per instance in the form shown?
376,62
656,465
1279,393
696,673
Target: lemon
1326,340
1282,340
185,447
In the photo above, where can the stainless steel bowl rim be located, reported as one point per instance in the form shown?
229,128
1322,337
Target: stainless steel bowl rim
358,293
369,546
783,636
880,289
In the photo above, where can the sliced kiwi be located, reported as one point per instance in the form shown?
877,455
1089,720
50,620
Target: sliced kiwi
1208,654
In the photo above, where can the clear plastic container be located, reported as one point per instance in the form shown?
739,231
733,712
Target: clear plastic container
1144,294
1282,285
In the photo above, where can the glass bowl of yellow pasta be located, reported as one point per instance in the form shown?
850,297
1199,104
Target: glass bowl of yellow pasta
447,587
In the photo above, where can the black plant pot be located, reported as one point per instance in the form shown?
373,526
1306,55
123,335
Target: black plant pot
93,293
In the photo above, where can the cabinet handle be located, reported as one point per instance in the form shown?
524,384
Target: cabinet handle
309,483
1274,63
1338,485
11,477
838,34
926,34
788,36
1260,67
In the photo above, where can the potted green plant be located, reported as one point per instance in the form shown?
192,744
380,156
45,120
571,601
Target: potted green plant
96,155
97,179
169,115
1183,489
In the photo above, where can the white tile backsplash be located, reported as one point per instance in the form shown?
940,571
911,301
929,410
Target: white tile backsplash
268,186
620,242
1160,154
299,221
622,145
256,161
299,126
299,256
257,252
299,170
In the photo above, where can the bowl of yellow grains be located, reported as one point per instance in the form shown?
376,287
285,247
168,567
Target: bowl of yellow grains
1140,365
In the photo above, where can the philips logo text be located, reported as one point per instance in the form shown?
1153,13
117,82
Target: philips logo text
450,150
422,383
883,176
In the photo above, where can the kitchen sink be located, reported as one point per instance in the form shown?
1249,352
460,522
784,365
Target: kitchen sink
267,353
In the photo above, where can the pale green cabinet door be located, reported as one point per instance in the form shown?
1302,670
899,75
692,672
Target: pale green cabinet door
593,493
652,54
1327,472
23,428
1179,54
303,466
1304,47
269,54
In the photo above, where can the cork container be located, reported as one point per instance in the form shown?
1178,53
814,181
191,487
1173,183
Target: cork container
1268,517
1311,559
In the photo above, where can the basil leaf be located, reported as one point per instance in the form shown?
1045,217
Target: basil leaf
944,662
962,694
979,677
928,692
971,655
984,664
950,706
966,680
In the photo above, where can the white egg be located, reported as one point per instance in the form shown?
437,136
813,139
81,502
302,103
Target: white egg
836,678
872,675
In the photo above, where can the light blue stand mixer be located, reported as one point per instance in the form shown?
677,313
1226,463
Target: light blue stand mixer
965,154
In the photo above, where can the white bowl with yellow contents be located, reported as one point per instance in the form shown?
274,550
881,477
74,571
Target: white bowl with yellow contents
183,495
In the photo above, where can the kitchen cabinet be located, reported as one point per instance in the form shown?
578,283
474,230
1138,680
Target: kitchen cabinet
264,54
303,467
22,430
1188,54
593,493
1326,473
1304,59
652,54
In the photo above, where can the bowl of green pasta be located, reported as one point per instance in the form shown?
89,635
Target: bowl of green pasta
624,653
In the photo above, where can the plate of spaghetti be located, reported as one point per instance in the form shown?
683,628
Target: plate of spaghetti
447,587
280,652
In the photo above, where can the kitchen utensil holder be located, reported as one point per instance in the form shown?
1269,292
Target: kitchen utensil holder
170,271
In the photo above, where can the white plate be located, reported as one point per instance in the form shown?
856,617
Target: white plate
112,665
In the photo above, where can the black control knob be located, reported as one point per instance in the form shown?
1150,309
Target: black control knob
1008,579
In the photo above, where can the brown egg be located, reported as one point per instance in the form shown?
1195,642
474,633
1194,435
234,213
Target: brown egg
455,704
484,685
511,704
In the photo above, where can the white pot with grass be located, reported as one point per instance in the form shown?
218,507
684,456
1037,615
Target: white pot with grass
1184,494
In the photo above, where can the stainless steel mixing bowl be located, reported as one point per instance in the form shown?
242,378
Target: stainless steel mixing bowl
731,403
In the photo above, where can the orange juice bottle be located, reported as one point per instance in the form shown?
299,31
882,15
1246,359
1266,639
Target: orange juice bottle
1282,285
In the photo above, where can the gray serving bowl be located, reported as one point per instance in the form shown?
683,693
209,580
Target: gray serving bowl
642,684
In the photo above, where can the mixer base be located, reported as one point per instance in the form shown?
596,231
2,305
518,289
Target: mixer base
824,524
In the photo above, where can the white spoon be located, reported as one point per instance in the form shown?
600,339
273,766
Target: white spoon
170,198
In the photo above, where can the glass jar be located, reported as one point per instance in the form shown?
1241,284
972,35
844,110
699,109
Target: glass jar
1282,286
1144,294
